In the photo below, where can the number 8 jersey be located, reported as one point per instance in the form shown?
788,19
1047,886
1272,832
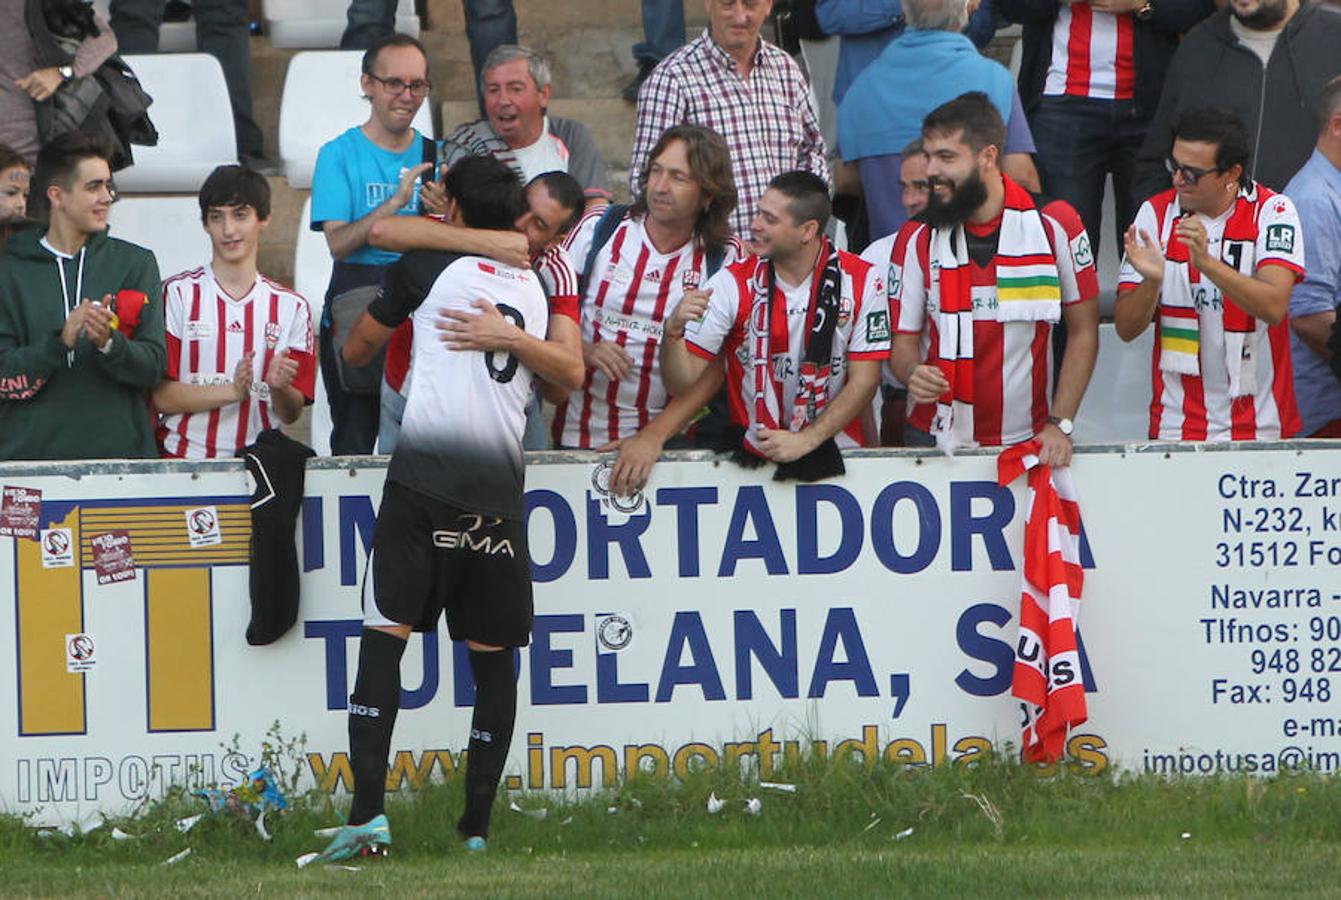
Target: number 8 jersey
461,437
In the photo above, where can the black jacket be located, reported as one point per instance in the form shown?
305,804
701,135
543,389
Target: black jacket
1154,41
1211,68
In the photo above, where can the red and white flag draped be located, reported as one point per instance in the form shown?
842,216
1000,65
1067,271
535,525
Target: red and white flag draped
1047,677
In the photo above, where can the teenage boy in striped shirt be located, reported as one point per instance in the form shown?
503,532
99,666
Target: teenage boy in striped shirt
241,356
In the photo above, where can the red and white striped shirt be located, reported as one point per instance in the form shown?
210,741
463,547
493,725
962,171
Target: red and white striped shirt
633,287
1198,407
1091,54
1013,361
862,332
207,333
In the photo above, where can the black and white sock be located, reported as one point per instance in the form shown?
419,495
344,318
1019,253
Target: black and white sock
372,716
490,736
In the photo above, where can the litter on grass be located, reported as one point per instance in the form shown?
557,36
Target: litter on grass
119,835
753,806
176,858
904,834
714,804
538,814
186,823
306,859
778,786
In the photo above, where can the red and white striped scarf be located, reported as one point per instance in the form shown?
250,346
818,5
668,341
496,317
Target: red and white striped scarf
1047,677
1180,322
772,337
1028,289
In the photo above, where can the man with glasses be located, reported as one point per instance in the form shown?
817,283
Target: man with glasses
518,130
81,320
1212,262
370,172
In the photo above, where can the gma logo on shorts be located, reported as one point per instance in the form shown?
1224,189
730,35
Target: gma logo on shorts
56,575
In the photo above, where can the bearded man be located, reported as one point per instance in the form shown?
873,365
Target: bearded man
976,287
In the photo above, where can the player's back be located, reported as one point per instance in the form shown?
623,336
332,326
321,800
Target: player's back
466,410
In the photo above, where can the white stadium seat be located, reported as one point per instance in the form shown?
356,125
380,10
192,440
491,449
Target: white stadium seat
311,274
194,121
1116,408
169,226
293,24
321,100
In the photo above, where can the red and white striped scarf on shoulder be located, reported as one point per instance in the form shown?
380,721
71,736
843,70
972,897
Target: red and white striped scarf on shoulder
1047,677
1028,289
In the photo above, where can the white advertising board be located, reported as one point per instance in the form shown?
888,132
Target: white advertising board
727,620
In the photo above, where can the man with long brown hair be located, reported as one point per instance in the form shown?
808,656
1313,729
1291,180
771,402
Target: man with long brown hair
635,263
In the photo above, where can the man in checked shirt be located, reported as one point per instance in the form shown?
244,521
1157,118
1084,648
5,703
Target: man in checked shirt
750,92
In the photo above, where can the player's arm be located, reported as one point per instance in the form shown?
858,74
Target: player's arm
863,377
1265,294
173,396
401,234
1137,299
639,453
926,383
556,359
367,337
343,238
680,366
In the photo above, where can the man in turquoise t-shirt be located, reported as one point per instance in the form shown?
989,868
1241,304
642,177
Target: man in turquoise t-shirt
370,172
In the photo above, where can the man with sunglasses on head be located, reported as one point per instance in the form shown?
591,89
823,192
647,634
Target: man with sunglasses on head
372,171
81,320
1212,262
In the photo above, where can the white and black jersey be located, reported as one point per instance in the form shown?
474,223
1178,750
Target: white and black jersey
461,437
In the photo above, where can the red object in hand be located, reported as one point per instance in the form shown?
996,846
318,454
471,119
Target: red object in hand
129,306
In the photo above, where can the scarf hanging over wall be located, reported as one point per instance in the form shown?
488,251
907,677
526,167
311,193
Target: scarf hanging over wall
1047,677
1028,290
1179,321
771,338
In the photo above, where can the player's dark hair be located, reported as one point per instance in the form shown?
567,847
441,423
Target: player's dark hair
567,192
807,196
235,186
391,40
57,162
710,164
973,115
488,193
11,158
1211,125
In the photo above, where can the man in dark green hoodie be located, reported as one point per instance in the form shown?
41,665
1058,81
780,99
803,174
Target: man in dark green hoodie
75,371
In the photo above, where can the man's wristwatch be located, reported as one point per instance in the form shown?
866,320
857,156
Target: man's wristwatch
67,72
1065,426
1146,11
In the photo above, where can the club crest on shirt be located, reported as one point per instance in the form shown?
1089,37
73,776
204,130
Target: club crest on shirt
690,280
272,334
845,306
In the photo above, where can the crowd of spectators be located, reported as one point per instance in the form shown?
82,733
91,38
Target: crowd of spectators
958,305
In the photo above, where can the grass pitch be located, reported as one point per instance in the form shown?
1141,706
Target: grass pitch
996,829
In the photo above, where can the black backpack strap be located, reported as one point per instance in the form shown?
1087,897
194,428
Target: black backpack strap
605,229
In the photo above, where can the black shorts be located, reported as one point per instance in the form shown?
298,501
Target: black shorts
429,557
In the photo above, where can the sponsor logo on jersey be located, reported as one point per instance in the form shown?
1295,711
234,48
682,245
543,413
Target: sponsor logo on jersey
236,327
877,325
272,334
1280,238
199,331
1081,251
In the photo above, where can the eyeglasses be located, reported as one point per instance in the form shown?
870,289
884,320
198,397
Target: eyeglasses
1189,174
398,86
